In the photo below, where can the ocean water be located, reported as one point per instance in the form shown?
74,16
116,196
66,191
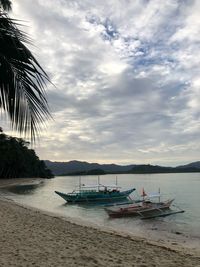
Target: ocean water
184,188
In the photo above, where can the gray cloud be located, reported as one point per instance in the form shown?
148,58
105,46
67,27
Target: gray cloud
126,78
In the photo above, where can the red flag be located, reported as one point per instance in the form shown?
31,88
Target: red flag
143,193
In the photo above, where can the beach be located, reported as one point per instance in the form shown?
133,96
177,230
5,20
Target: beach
30,237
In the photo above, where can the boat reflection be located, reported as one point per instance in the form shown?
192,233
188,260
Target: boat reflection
25,189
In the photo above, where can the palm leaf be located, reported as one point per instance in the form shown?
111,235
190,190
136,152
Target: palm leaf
22,81
5,4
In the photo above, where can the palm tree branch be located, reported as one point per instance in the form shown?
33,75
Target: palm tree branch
22,81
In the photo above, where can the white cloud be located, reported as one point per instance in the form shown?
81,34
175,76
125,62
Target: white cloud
126,76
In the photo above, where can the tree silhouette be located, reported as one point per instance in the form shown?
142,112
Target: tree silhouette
22,79
18,161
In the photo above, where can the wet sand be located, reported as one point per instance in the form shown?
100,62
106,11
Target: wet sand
30,237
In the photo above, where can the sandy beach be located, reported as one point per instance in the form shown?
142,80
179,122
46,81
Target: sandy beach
32,238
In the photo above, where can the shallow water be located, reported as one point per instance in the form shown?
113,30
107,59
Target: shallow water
182,228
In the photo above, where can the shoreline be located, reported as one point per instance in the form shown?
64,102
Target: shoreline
59,242
169,245
173,237
4,183
81,232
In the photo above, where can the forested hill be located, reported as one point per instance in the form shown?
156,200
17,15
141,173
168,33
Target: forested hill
75,166
18,161
84,168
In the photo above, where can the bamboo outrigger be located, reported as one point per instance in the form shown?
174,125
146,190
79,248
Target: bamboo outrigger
145,209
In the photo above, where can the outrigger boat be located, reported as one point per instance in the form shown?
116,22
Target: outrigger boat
142,209
96,193
146,209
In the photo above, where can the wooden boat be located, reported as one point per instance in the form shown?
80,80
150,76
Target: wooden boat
146,208
142,209
96,193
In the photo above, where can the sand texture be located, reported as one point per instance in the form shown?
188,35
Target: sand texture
30,238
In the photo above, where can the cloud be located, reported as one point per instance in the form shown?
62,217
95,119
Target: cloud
126,78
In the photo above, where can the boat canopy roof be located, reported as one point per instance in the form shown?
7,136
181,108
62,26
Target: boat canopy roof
151,195
99,186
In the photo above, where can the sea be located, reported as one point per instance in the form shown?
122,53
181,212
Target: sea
182,228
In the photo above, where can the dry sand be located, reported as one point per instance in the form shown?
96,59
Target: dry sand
29,237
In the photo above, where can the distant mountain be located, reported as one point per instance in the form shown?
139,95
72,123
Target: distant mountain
75,167
195,164
159,169
147,168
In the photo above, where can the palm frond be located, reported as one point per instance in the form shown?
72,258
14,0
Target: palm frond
22,81
5,4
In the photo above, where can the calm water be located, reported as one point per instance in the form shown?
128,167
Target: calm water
185,188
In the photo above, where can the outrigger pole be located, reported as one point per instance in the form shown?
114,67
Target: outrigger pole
164,214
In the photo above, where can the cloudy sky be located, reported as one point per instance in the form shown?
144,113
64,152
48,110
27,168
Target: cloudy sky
126,76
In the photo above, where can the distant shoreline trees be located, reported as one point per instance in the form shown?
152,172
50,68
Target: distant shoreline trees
18,161
66,169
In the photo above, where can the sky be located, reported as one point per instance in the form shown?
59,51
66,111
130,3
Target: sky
126,79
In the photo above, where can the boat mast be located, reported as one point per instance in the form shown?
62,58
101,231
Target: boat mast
98,182
159,194
79,183
143,194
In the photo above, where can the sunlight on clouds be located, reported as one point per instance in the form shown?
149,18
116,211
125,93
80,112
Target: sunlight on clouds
112,68
162,69
126,77
165,148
